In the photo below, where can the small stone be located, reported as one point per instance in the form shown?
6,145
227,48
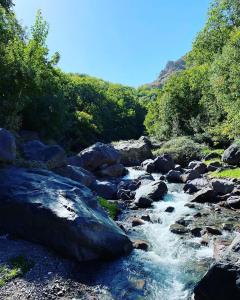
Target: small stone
169,209
196,231
190,205
140,245
178,229
227,226
213,230
137,222
146,218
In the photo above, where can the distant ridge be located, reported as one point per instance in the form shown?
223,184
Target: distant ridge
170,68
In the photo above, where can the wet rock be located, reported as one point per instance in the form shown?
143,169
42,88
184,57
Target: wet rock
125,195
178,168
221,186
190,188
138,284
142,203
213,230
196,231
204,195
231,155
197,215
115,170
145,177
54,156
205,240
198,166
170,209
133,152
139,244
104,189
174,176
146,218
233,202
164,163
42,207
227,226
178,229
95,157
197,184
77,174
190,175
150,192
222,280
212,156
213,166
128,185
137,222
162,177
148,165
7,146
190,205
184,222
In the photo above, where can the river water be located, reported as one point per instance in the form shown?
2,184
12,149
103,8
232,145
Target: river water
170,269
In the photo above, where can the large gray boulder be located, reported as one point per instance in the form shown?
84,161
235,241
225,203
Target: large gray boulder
204,195
105,189
148,165
7,146
96,157
42,207
174,176
195,185
164,163
133,152
231,155
222,281
152,191
233,202
222,187
115,170
190,175
214,166
54,156
198,166
77,174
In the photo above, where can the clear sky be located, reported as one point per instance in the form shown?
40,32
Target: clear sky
124,41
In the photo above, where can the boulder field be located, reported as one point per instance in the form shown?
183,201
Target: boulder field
56,203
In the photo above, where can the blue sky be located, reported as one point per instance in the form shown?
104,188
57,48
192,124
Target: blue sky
124,41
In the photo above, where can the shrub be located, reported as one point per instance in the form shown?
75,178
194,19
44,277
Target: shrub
17,266
183,150
110,207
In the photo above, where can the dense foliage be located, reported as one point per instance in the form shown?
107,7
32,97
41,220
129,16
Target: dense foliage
204,99
35,95
183,149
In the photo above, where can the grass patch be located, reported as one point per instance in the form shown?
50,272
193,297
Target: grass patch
235,173
207,151
110,207
17,266
209,161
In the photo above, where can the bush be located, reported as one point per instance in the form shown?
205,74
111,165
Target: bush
17,266
183,150
110,207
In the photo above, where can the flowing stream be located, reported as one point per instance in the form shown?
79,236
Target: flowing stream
173,265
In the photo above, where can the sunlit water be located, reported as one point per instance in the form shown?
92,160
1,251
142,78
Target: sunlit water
170,269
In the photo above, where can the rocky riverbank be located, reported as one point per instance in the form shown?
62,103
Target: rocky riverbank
52,199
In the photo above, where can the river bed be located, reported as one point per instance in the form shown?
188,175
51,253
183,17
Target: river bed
171,267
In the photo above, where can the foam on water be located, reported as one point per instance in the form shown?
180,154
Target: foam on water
171,267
